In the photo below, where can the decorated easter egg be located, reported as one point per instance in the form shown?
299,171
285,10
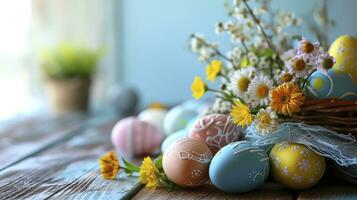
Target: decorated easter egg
239,167
199,106
331,85
172,138
216,130
154,117
186,162
296,166
344,50
132,136
177,119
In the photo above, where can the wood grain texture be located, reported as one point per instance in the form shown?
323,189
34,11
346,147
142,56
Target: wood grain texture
19,141
208,191
67,171
330,189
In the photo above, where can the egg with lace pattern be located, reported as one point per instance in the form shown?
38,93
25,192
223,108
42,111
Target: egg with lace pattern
295,166
186,162
216,130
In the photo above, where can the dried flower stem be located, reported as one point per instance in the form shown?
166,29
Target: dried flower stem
266,37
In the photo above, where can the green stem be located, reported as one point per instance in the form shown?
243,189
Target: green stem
305,81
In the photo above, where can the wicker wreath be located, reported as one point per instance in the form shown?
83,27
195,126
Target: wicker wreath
338,115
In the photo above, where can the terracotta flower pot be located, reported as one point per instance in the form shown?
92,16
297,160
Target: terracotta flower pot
68,95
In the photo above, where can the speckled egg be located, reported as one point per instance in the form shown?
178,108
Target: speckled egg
239,167
186,162
132,136
216,130
154,117
172,138
331,85
177,119
344,50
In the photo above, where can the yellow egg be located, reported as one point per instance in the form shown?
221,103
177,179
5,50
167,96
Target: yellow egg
344,50
296,166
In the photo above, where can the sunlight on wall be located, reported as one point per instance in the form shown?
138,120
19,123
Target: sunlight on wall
15,18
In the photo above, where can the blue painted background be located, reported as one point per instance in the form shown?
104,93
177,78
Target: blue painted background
155,58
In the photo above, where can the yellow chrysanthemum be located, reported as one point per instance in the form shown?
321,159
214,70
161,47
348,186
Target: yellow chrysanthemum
213,69
241,114
109,165
149,173
287,98
198,87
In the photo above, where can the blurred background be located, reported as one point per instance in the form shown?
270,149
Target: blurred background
142,45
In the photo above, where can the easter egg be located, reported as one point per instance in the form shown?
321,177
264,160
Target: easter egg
186,162
172,138
216,130
239,167
296,166
154,117
331,85
124,100
177,119
131,136
344,50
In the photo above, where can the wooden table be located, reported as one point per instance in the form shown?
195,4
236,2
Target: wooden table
57,158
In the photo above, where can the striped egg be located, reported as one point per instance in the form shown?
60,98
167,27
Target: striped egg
134,137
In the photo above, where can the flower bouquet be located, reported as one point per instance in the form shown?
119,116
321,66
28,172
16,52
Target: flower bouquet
279,110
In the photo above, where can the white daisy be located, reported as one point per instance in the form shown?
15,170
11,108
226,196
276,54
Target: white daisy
258,90
310,51
266,121
325,62
240,81
298,66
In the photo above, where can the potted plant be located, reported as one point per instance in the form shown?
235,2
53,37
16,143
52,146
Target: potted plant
68,71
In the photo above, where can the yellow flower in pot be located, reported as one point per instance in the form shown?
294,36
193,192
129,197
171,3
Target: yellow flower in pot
68,71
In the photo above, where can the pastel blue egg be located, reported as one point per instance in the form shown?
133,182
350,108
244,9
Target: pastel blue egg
332,85
172,138
191,123
177,118
239,167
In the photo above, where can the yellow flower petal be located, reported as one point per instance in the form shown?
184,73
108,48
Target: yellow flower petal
109,165
213,69
241,114
198,88
148,173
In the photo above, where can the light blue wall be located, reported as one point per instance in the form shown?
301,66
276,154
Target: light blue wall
154,55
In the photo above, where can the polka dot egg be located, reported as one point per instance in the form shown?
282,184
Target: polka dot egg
332,85
133,137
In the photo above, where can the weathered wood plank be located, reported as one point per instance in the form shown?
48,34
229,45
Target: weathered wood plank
20,141
208,191
67,171
330,189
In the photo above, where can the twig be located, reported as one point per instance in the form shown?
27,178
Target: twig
267,39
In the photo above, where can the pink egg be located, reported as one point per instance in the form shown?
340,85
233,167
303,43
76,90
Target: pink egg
216,130
134,137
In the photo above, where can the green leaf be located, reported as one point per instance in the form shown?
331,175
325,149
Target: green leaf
130,166
267,52
158,162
